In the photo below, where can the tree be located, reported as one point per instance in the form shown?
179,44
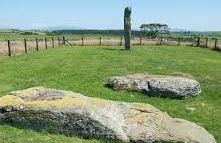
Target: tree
152,30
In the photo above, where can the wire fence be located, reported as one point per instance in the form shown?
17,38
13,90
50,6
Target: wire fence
19,46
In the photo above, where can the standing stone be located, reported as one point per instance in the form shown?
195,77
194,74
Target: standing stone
127,28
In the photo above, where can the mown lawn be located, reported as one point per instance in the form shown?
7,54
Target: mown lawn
84,70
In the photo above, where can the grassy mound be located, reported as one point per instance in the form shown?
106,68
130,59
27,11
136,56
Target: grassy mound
84,70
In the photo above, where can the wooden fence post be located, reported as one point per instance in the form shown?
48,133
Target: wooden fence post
64,41
52,40
9,49
206,42
25,44
36,40
58,41
100,40
46,44
198,42
82,41
121,40
140,40
161,40
179,41
215,46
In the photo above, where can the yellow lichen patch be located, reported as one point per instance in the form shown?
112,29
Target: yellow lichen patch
10,100
68,100
139,118
144,107
92,102
144,123
64,102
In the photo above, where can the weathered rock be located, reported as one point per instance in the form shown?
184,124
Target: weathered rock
127,27
155,85
74,114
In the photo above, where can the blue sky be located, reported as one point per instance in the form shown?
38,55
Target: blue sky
198,15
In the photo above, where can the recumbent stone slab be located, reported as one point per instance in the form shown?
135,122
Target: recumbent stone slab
155,85
71,113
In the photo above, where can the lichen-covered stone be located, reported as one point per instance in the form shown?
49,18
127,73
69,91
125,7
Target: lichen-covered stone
74,114
127,27
155,85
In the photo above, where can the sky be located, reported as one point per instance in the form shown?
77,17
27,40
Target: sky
196,15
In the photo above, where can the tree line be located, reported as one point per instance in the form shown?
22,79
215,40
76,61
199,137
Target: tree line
96,32
151,30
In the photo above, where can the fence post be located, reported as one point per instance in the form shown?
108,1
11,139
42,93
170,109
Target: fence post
82,41
206,42
198,42
140,39
58,41
9,49
161,40
52,40
100,40
46,44
25,44
215,46
64,41
121,40
179,41
36,39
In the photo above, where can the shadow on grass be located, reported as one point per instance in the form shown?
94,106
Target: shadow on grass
216,49
114,49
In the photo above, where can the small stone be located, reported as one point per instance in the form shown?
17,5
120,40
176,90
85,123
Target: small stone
131,95
191,109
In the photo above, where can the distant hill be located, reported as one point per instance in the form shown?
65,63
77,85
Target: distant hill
179,30
54,28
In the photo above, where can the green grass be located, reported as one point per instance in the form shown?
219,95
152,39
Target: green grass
8,34
84,70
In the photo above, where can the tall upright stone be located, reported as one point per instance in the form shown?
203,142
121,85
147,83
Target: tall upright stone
127,27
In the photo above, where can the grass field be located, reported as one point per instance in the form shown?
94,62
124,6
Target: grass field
84,70
10,34
13,34
215,34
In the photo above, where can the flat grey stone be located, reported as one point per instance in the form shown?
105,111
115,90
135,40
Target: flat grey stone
74,114
155,85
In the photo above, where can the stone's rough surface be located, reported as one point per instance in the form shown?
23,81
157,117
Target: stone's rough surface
155,85
74,114
127,28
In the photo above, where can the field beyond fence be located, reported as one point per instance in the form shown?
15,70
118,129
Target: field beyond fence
19,46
